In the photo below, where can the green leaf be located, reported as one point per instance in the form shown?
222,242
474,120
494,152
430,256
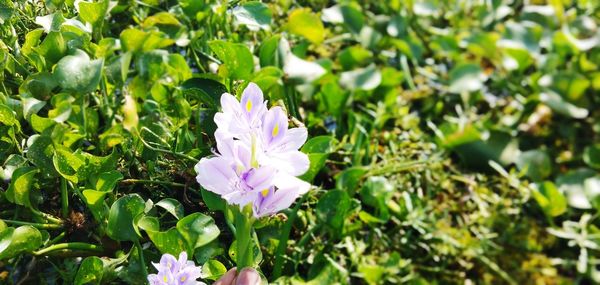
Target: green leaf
50,22
591,155
93,12
254,15
22,181
213,201
354,56
95,202
6,11
320,144
121,217
16,241
550,199
297,69
572,184
172,206
376,192
90,271
67,163
569,84
332,209
40,153
135,40
192,7
52,49
213,270
267,54
497,146
466,77
536,163
78,73
307,24
317,162
318,149
206,90
197,230
349,179
361,78
562,106
169,241
237,58
7,116
39,85
108,180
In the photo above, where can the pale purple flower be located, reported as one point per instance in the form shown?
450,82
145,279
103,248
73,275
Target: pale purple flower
280,145
239,118
232,175
258,156
267,131
175,272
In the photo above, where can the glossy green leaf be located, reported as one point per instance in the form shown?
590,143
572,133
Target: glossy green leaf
591,156
254,15
535,163
40,153
67,163
93,12
550,199
213,270
121,217
305,23
361,78
206,90
78,73
135,40
197,230
467,77
332,209
90,271
15,241
172,206
107,181
22,182
237,59
376,192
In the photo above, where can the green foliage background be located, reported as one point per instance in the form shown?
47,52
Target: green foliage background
450,141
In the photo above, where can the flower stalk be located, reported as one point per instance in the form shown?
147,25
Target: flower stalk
243,235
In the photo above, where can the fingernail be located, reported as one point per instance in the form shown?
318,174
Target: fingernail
248,276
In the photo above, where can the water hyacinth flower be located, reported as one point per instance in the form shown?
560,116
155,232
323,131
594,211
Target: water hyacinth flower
258,156
265,130
175,272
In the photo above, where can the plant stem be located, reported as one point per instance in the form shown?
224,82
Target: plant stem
70,245
283,239
64,195
47,217
146,181
243,235
57,239
36,225
167,151
141,253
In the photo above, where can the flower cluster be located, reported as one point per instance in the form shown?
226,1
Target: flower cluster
258,156
175,272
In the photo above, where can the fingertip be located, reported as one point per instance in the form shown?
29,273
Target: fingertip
248,276
227,278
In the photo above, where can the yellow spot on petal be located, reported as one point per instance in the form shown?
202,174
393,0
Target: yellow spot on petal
182,278
248,106
275,130
265,192
165,278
